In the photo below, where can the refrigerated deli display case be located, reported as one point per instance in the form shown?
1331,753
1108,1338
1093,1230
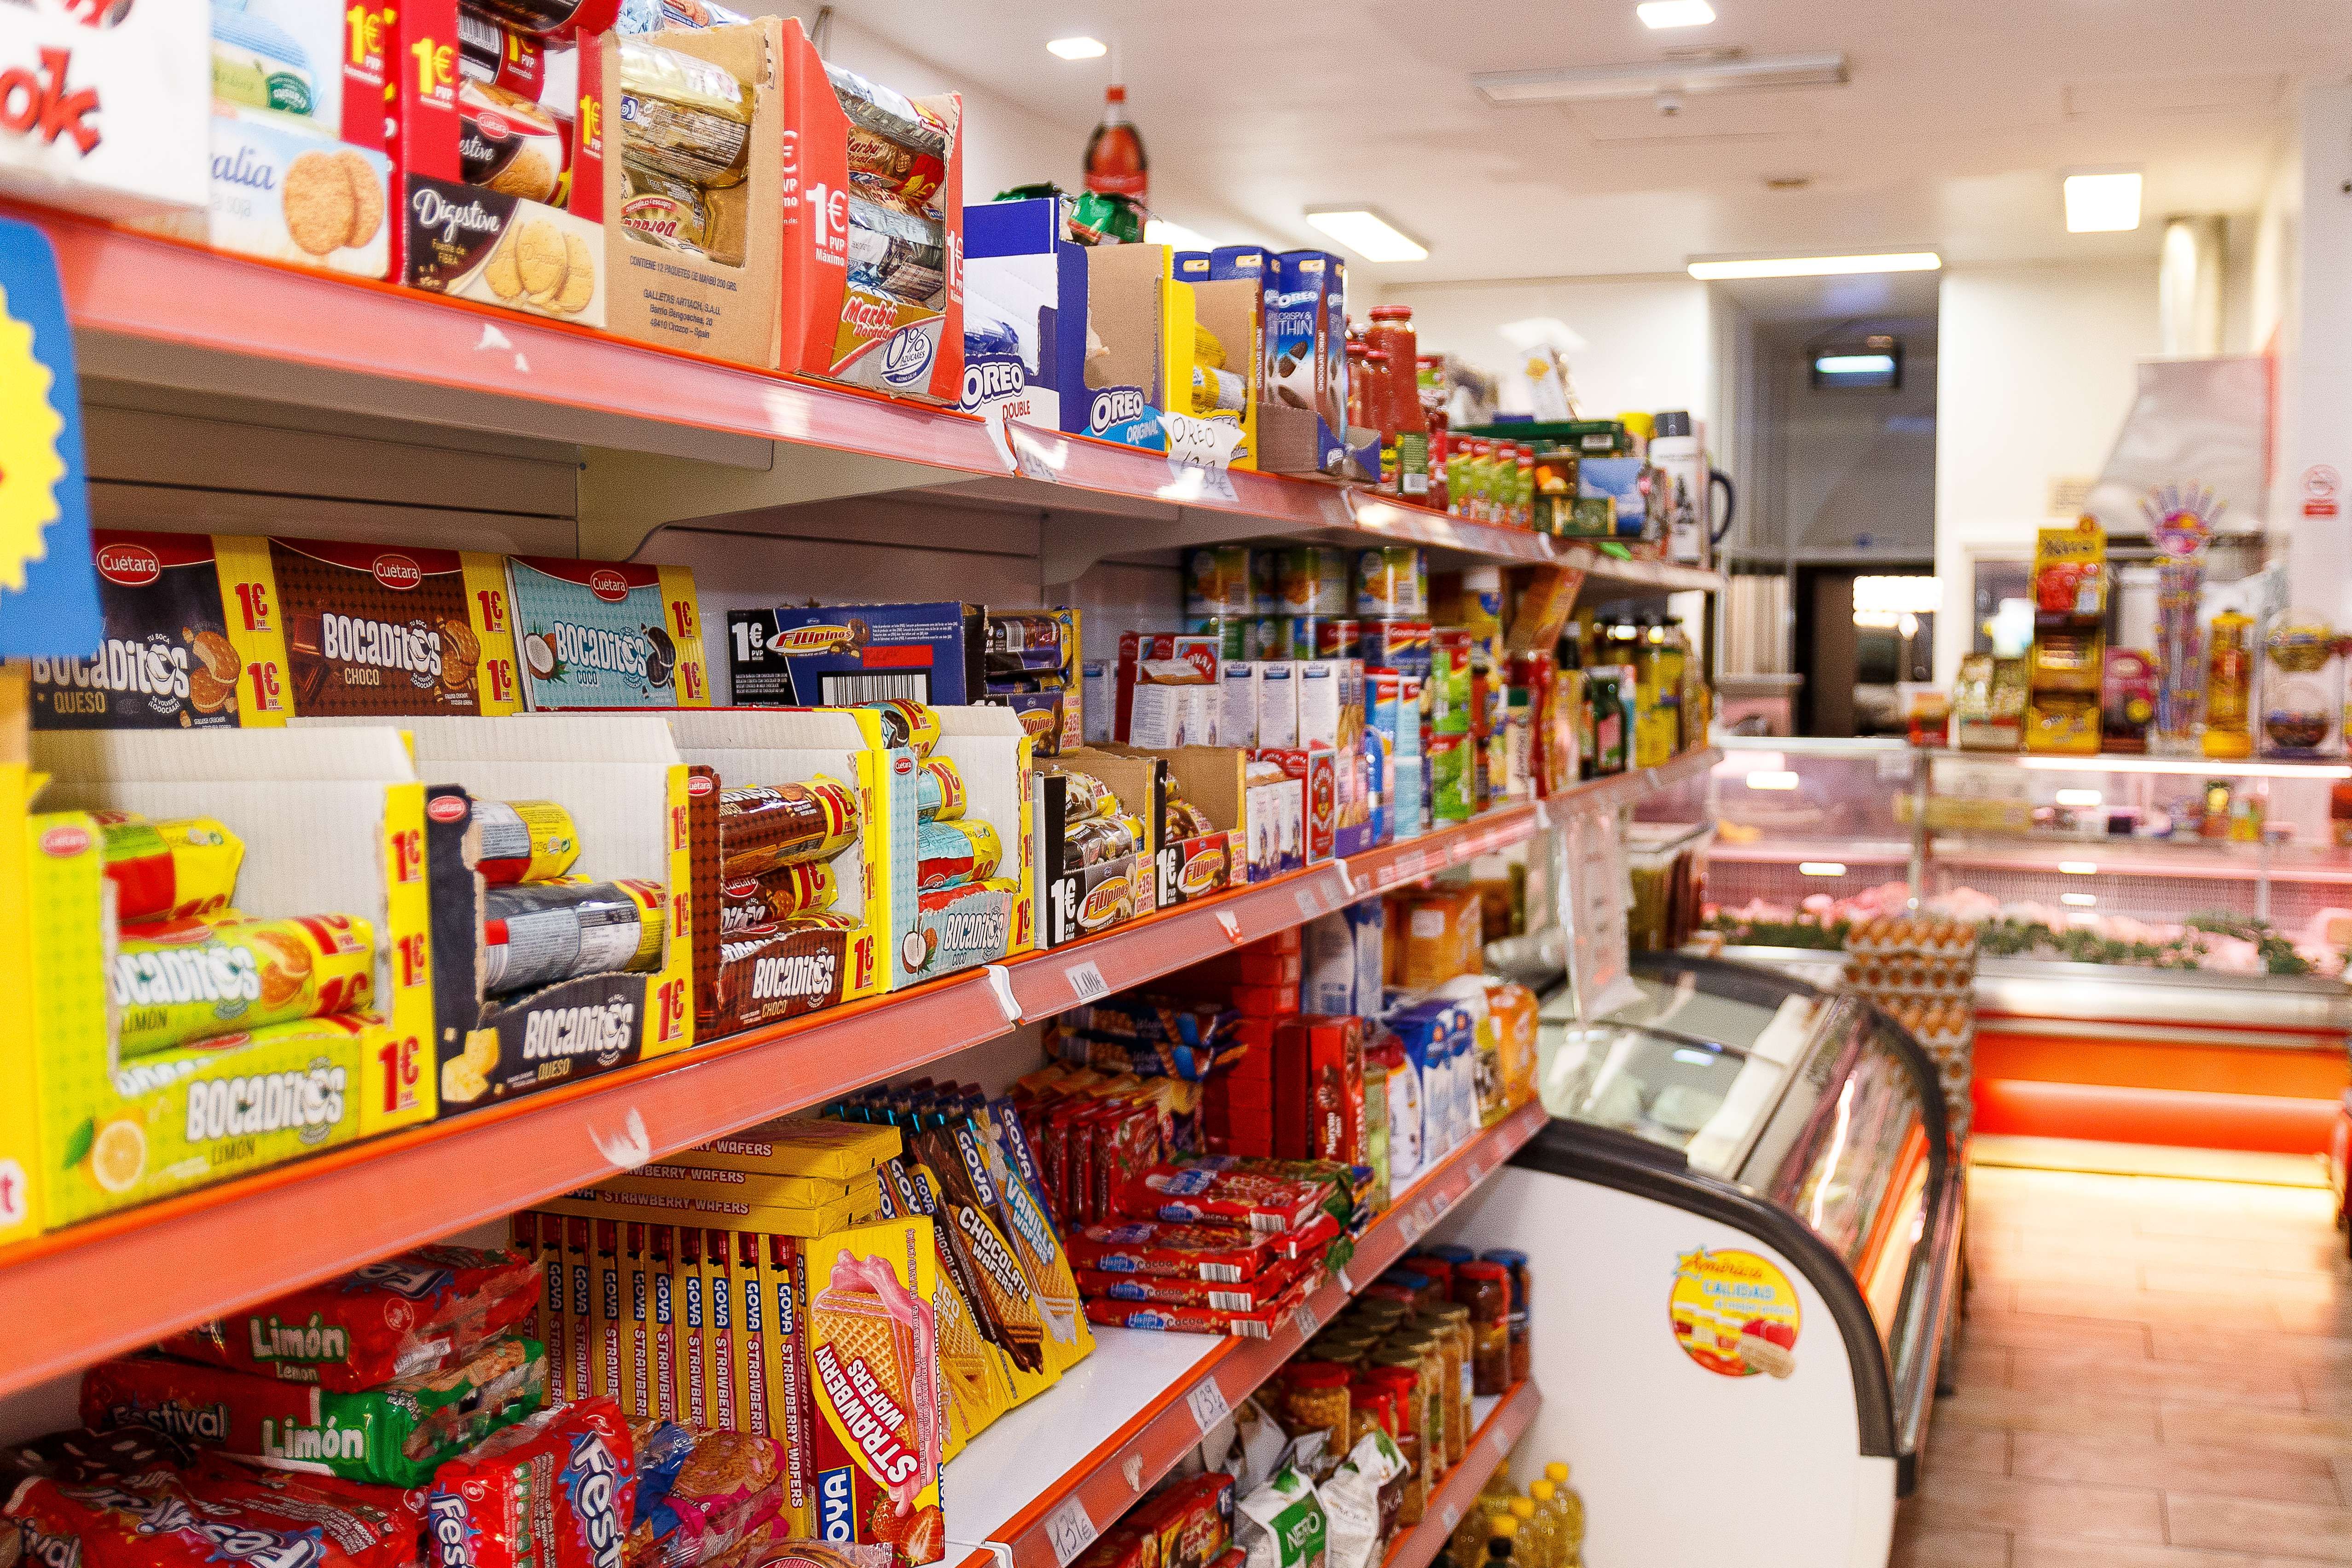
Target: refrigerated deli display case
1744,1205
2160,940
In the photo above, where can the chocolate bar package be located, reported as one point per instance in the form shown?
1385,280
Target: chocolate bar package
373,631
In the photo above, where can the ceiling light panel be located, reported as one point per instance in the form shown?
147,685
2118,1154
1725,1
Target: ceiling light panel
1816,265
1675,13
1567,84
2107,202
1369,235
1079,48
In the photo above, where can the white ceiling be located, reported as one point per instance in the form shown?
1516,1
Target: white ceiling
1954,132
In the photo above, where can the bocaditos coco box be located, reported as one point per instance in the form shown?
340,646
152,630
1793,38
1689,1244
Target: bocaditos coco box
596,633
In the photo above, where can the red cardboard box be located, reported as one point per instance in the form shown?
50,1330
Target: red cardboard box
1318,1088
1317,770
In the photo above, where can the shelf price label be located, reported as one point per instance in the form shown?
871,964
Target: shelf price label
1308,1324
1208,1403
1086,982
1309,904
1451,1515
1232,925
1413,1222
1070,1531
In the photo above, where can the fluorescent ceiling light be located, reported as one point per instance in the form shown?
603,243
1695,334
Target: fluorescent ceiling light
1818,265
2079,868
1772,779
1175,236
1855,365
2102,203
1822,868
2079,899
1078,49
1917,595
1569,84
2079,796
1369,235
1675,13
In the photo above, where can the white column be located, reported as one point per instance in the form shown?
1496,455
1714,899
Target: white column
2310,510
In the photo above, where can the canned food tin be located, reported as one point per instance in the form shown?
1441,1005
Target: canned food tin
1217,582
1392,581
1312,579
1449,778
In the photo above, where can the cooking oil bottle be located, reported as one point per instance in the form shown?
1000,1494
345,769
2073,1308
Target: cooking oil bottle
1570,1513
1494,1498
1532,1547
1547,1519
1502,1542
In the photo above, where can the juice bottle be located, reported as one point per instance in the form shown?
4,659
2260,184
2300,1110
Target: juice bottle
1525,489
2229,687
1572,1511
1458,477
1481,479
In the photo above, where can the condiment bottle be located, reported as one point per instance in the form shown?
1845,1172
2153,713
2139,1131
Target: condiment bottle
2229,687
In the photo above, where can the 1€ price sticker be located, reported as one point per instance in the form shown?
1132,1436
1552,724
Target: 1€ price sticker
1086,982
1208,1403
1070,1531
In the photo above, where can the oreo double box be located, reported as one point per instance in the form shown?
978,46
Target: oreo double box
838,656
1024,313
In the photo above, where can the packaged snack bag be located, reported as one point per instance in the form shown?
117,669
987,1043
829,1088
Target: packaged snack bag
394,1434
218,1514
421,1311
702,1495
557,1492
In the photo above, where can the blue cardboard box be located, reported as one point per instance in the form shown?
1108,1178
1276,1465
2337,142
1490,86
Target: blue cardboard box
1025,314
834,655
1306,294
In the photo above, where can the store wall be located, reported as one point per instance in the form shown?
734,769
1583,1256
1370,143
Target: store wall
1850,474
2037,367
1648,340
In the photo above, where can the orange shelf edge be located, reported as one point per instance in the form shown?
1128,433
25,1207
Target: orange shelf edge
1490,1447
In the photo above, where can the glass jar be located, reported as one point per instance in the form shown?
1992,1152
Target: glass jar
1402,1384
1486,1289
1454,1346
1315,1399
1427,1354
1516,1263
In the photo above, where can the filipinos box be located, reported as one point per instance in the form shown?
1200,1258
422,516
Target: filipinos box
621,780
1078,899
1214,779
332,825
872,229
498,146
749,971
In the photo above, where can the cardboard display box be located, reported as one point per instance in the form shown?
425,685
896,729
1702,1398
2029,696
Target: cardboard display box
725,301
624,785
1305,352
835,327
745,976
1143,318
106,106
1024,325
1215,778
1077,900
1231,310
333,823
941,930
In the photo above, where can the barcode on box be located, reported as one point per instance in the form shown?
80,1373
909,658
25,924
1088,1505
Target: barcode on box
848,691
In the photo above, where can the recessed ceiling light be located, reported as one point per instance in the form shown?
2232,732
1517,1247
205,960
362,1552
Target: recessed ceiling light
1821,867
2102,203
1818,265
1079,48
1369,235
1675,13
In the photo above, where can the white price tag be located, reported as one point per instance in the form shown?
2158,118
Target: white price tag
1472,1169
1232,923
1208,1403
1086,982
1346,1284
1412,1223
1347,878
1451,1515
1000,986
1309,904
1030,457
1543,815
1409,867
1308,1322
1495,1441
1070,1531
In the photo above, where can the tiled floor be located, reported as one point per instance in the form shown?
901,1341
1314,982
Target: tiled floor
2154,1374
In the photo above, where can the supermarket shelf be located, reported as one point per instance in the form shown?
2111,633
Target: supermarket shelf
160,313
1501,1424
2110,762
1100,1438
1614,571
93,1289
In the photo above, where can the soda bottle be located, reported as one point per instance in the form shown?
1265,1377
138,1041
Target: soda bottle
1114,162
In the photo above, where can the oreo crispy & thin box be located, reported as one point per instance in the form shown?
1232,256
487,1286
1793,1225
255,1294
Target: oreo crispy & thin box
838,656
595,633
1024,313
1306,294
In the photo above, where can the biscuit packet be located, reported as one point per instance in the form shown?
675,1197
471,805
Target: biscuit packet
214,1512
702,1494
421,1311
557,1492
182,980
394,1434
170,870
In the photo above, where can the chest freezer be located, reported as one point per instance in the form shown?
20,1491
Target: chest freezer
1742,1227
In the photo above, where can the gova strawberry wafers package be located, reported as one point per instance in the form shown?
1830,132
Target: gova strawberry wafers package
557,1492
217,1515
421,1311
874,1362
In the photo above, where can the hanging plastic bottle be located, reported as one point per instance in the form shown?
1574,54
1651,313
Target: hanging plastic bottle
1115,162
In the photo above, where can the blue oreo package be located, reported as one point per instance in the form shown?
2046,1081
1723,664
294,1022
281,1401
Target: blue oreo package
1025,314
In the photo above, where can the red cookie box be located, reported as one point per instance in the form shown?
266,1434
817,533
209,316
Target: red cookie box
1318,1088
1193,1520
1220,1253
556,1492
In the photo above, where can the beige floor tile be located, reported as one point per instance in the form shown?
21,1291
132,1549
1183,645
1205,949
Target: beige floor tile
2033,1507
2033,1331
2158,1309
2255,1347
2245,1427
2091,1415
2309,1289
1983,1450
2280,1476
1950,1548
2032,1553
2095,1372
2201,1519
1980,1365
2056,1266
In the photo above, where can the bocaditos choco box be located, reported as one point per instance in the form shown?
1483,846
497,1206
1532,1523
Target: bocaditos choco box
602,633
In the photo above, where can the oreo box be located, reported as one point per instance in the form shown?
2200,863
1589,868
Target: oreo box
838,656
175,648
1305,349
1024,312
600,633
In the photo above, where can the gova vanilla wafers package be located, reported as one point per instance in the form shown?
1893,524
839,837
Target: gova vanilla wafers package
421,1311
1006,1188
393,1435
873,1345
557,1492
